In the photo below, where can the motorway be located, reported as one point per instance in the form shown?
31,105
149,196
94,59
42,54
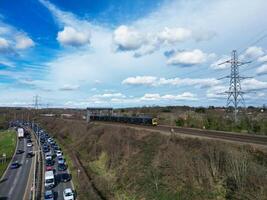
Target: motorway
60,186
14,183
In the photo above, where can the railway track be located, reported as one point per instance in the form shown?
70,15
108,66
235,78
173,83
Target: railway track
220,135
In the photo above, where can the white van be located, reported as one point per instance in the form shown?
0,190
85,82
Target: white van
49,179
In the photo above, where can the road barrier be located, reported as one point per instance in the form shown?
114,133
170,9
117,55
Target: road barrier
37,186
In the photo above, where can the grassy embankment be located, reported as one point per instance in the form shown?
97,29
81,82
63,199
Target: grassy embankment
131,164
7,146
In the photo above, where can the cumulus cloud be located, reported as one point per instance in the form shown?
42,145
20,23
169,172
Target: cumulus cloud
72,37
188,58
23,42
254,84
155,81
174,35
140,80
127,39
109,95
262,59
12,41
262,69
253,52
158,97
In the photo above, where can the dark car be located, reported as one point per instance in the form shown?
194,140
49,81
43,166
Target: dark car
49,195
20,151
29,154
65,177
49,163
61,167
15,165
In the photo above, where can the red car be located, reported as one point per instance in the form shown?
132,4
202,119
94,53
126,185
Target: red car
48,168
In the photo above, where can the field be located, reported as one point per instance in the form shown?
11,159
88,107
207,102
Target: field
119,163
7,146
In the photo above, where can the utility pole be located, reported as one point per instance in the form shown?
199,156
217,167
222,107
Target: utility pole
36,101
235,93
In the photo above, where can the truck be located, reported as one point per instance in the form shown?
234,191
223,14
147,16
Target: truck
20,132
49,179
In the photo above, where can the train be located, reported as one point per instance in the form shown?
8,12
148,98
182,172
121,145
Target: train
125,119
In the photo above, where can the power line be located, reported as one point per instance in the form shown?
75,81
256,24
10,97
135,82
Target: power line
36,102
235,93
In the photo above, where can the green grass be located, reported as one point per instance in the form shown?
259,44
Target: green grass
7,146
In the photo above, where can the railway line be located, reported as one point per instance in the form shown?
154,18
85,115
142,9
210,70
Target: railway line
211,134
219,135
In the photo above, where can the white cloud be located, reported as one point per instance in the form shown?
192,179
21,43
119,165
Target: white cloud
72,37
12,40
158,97
155,81
7,63
23,42
151,97
262,59
262,69
201,82
218,64
126,38
109,95
68,87
129,39
253,52
140,80
253,84
183,96
193,57
3,44
174,35
217,92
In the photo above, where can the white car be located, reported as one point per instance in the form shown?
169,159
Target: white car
59,153
68,194
29,144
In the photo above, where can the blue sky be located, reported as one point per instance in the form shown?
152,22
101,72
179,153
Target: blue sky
129,53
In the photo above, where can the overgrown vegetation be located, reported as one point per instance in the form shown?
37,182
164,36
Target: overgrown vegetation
202,118
132,164
7,146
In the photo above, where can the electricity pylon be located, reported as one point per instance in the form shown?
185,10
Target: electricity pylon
235,93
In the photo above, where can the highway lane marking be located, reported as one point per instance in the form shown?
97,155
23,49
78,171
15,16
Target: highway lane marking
18,172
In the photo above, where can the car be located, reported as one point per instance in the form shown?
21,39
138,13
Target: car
49,195
61,167
48,157
49,163
29,154
60,160
49,168
65,177
19,151
15,165
29,144
59,153
68,194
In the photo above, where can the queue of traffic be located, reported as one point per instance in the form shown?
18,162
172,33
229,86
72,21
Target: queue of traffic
55,167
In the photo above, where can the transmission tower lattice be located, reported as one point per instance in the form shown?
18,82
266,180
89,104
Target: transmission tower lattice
235,93
36,101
